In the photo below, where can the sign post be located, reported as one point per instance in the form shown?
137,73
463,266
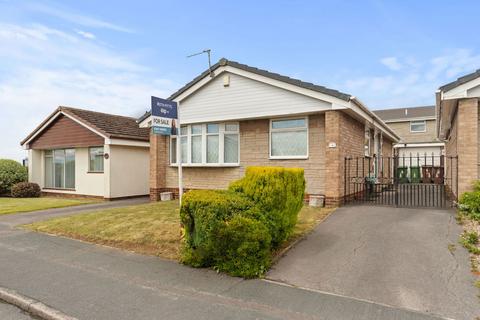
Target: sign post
166,121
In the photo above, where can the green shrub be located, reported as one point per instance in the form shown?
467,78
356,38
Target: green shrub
469,203
26,190
235,231
203,214
11,172
244,247
279,193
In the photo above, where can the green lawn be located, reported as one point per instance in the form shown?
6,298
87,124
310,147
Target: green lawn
152,228
14,205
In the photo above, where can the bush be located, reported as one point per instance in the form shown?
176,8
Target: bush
11,172
235,231
279,194
469,203
26,190
203,214
470,240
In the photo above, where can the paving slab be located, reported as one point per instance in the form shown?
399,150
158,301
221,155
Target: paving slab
399,257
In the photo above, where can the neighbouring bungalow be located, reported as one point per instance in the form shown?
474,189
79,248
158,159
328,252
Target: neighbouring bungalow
78,152
234,116
416,127
457,107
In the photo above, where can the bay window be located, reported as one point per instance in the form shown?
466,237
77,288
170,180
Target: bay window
289,138
60,169
207,144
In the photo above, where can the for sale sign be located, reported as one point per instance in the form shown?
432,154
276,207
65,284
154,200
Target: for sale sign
164,116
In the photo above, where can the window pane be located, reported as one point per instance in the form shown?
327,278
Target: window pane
231,148
292,143
59,160
183,131
184,149
196,129
292,123
173,150
196,149
231,127
417,126
212,149
70,168
212,128
96,159
49,170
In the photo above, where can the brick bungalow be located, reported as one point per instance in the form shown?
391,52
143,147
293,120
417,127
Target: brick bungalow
457,107
234,116
76,152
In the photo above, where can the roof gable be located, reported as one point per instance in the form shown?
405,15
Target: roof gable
103,124
462,80
64,132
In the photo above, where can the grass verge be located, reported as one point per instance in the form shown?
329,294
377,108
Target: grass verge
152,228
15,205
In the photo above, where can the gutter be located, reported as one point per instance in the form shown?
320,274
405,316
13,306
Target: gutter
374,117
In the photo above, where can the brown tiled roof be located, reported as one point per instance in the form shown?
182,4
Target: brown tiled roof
406,113
109,125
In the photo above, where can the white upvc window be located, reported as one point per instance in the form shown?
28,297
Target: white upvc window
208,144
289,138
418,126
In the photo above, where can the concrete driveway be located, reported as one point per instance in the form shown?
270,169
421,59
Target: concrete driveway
399,257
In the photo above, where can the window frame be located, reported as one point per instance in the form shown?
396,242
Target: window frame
52,156
221,143
89,163
424,122
307,127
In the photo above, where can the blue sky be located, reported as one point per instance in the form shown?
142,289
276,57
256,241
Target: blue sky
113,55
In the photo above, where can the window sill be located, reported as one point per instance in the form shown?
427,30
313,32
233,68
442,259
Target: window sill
59,189
207,165
95,171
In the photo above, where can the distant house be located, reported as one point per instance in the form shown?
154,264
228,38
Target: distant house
416,127
78,152
234,116
458,124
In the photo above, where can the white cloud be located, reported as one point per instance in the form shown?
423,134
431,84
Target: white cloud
85,34
411,82
79,19
391,63
43,68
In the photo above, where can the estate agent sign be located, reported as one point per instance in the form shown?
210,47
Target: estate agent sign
164,116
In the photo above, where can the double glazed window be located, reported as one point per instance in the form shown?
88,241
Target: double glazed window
289,138
60,169
95,159
418,126
207,144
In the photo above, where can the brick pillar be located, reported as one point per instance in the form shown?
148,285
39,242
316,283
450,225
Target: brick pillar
333,159
158,165
467,144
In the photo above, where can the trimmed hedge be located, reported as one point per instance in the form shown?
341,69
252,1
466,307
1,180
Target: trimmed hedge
26,190
279,194
11,172
235,231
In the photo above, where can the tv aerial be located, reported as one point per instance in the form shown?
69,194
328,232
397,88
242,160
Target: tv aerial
208,52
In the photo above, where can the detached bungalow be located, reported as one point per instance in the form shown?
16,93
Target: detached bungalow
234,116
85,153
457,107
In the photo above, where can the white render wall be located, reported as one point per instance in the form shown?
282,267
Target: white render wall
129,170
244,98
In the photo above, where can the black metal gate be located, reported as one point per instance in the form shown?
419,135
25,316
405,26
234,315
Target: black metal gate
421,181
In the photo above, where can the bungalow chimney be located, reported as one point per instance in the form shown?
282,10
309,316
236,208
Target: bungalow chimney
406,112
